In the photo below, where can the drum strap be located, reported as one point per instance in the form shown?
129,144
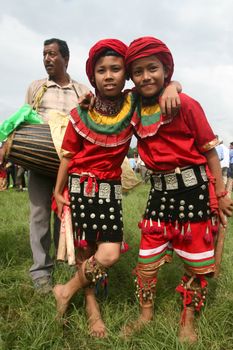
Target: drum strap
39,96
76,93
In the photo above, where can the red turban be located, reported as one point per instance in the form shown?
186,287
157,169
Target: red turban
148,46
111,44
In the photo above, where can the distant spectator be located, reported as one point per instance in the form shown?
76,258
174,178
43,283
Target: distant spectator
230,172
219,150
128,177
20,178
231,160
10,169
132,163
225,162
223,156
142,168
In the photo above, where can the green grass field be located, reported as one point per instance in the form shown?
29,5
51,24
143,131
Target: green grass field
27,320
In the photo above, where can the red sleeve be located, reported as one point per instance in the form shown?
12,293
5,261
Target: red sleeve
71,142
198,124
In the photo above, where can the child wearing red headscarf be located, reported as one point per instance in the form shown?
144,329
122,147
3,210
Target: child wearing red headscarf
94,147
187,196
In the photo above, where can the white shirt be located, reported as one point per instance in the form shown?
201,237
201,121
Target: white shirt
226,157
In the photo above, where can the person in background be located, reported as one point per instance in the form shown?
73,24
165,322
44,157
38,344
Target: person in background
132,163
141,169
225,163
129,179
219,149
230,171
224,158
58,92
20,178
11,174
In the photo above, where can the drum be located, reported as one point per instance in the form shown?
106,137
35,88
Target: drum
32,147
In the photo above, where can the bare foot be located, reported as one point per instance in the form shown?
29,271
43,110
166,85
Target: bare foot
187,331
133,327
62,302
97,327
146,315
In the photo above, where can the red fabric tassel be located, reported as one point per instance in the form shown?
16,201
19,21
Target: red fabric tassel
214,225
90,181
215,229
53,201
54,204
203,281
156,229
76,243
175,230
188,294
150,227
181,237
124,247
188,234
140,225
207,236
83,243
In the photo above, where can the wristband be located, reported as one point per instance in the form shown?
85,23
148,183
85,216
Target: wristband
221,194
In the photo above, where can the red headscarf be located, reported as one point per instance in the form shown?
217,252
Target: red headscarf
111,44
147,46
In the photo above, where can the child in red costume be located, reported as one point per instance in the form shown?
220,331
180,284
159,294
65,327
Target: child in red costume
187,196
94,147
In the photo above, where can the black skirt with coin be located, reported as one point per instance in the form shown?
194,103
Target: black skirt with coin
96,207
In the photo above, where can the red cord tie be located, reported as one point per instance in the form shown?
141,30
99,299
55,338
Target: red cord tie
90,181
194,297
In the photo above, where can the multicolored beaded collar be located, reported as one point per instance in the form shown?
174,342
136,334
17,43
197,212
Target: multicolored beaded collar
108,123
147,117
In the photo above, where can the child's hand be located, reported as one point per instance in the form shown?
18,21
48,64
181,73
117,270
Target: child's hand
87,101
225,209
170,101
60,200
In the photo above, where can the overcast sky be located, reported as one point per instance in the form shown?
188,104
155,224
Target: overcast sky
198,32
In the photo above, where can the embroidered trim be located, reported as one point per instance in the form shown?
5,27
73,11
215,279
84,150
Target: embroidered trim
210,145
148,119
107,131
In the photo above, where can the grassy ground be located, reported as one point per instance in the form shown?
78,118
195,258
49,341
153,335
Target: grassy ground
27,319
